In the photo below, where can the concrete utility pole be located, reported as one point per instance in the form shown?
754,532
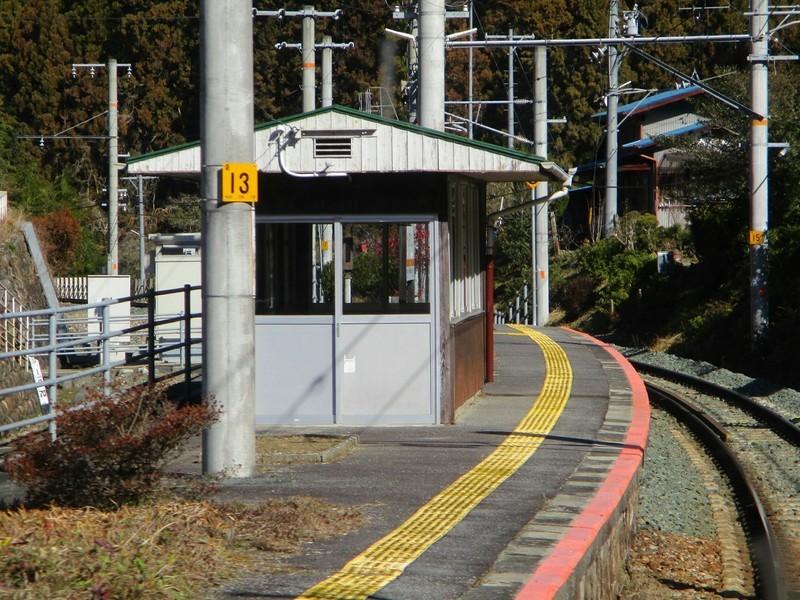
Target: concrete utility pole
431,63
226,136
541,242
612,154
327,71
309,60
759,149
113,171
112,267
437,15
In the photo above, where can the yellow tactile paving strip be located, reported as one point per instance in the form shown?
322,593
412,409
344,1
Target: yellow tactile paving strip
385,560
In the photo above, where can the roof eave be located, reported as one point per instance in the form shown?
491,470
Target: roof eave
540,168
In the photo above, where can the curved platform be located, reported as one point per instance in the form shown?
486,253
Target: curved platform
531,494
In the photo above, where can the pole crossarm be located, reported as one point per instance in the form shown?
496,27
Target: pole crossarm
282,13
607,41
695,81
323,46
413,14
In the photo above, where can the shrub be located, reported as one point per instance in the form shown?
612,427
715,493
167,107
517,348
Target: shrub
575,295
108,454
368,277
59,235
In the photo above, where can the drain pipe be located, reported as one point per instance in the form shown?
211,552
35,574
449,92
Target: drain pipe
283,141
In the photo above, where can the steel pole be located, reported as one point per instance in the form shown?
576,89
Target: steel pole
470,84
431,63
142,285
309,61
610,205
511,91
226,135
412,87
541,265
489,310
759,176
113,171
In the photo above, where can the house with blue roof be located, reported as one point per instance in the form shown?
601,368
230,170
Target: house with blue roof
651,170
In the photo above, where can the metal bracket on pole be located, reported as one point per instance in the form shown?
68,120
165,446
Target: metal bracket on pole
695,81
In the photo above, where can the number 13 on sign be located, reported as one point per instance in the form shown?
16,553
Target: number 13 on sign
239,182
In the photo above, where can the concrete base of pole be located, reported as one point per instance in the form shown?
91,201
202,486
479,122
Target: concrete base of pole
229,339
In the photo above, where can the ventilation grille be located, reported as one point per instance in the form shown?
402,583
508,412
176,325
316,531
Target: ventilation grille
339,147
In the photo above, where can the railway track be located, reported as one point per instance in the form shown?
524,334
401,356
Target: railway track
759,450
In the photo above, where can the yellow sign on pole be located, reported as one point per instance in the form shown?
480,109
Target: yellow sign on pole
756,238
239,182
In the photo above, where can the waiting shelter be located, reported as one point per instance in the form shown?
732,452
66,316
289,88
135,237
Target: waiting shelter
370,241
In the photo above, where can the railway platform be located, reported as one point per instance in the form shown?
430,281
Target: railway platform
531,494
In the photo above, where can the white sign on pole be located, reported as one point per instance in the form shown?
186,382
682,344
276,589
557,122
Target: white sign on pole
44,400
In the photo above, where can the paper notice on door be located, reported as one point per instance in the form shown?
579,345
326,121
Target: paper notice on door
350,364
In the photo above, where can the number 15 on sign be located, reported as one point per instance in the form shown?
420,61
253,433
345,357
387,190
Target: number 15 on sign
239,182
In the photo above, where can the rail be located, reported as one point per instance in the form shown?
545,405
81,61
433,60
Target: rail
766,415
765,552
100,338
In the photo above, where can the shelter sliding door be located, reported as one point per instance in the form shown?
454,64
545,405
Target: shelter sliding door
385,347
294,323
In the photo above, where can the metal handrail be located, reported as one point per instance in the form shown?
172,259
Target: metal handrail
58,342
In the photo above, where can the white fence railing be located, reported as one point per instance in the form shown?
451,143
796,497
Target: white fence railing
76,289
520,310
15,333
72,288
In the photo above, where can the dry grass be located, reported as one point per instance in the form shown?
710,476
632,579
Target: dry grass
163,549
664,344
10,225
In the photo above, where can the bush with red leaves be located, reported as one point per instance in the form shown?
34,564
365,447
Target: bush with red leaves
59,235
109,453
